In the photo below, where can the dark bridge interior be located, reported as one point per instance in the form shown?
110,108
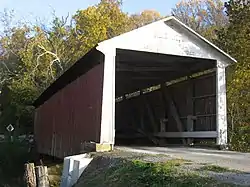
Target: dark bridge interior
164,99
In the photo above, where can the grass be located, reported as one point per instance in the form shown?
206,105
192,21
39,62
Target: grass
137,173
55,172
111,170
217,169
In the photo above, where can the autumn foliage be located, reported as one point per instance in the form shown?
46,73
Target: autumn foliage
34,55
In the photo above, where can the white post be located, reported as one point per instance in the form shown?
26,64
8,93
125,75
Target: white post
108,98
221,105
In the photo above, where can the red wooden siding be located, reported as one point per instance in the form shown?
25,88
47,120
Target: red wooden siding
71,116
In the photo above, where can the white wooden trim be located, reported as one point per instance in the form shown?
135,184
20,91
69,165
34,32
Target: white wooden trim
221,105
163,37
107,134
196,134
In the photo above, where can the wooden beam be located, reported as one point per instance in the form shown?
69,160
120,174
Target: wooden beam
132,136
163,125
150,69
190,108
165,108
204,96
174,111
195,134
150,114
146,78
142,112
143,133
150,136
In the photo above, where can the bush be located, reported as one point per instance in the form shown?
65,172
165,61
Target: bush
13,156
240,138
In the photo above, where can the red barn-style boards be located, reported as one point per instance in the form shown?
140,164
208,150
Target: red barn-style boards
161,82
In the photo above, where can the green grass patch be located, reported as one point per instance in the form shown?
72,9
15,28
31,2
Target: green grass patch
217,169
137,173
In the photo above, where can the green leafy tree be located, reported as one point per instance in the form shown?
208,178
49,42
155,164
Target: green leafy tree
235,39
97,23
31,58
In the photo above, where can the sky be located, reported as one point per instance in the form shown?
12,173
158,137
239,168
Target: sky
31,9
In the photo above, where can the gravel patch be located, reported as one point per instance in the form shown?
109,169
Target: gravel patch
235,178
232,178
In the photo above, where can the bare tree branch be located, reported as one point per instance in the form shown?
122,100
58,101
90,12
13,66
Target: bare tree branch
50,69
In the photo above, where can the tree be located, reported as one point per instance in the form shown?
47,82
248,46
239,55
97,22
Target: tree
203,16
144,18
100,22
235,39
32,56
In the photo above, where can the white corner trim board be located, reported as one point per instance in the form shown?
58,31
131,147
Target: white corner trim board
221,105
108,98
73,167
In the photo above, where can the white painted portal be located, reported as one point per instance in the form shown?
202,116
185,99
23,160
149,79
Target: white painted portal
108,100
167,36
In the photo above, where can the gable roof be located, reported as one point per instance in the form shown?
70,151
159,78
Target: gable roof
97,54
174,21
174,24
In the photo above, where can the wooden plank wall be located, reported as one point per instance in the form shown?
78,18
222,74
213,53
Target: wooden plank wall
194,101
71,117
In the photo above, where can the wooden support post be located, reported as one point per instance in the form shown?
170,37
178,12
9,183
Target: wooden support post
164,119
163,125
142,110
29,175
190,109
151,115
165,102
150,136
42,176
174,111
142,119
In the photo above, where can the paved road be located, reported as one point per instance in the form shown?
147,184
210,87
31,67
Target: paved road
233,160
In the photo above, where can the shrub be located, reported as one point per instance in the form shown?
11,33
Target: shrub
13,156
240,138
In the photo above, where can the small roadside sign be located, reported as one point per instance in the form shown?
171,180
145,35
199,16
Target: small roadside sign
10,128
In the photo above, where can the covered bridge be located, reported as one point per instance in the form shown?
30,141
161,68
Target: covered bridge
161,83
